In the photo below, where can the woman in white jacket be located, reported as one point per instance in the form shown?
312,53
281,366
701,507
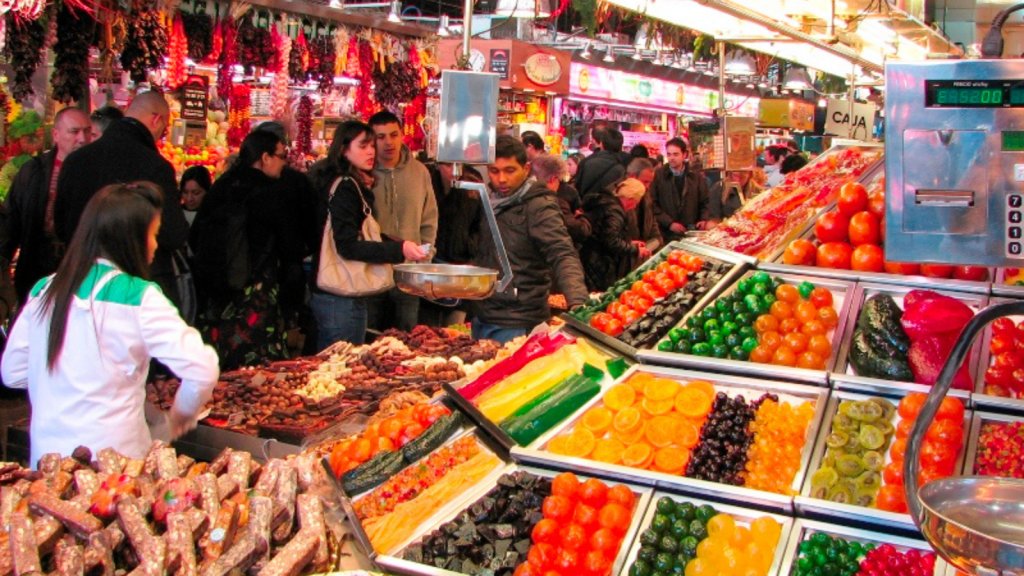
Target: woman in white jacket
83,342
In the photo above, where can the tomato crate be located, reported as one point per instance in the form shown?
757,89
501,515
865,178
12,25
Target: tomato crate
866,302
469,517
999,386
653,423
855,472
739,310
667,511
805,531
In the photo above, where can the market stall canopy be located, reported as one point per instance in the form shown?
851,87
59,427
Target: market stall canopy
807,32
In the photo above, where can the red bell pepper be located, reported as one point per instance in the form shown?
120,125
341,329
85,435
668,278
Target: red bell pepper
928,314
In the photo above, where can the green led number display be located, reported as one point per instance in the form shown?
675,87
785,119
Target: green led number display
969,96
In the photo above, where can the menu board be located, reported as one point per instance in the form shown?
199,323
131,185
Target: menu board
195,94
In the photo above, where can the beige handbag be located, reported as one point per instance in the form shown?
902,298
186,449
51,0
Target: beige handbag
342,277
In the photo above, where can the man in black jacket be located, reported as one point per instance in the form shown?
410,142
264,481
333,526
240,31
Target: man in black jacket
679,193
28,221
604,167
537,244
127,152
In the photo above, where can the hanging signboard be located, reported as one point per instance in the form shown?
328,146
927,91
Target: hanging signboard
786,113
195,92
859,125
499,62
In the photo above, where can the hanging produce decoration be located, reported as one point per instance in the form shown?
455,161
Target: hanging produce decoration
199,32
24,50
110,40
177,48
255,47
70,77
238,114
364,104
279,88
228,58
304,121
416,109
146,43
26,9
397,85
298,58
321,62
216,43
341,38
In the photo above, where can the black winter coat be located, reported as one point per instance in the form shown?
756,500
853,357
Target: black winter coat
125,153
608,254
687,205
23,221
569,202
537,244
598,171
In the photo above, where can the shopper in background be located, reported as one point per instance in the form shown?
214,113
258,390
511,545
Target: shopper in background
609,253
195,183
550,171
84,344
639,151
406,208
729,195
459,216
102,117
572,164
604,167
27,217
792,163
240,306
351,159
127,152
534,144
679,193
537,244
773,157
640,221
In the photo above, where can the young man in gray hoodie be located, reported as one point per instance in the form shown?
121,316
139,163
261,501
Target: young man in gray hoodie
405,206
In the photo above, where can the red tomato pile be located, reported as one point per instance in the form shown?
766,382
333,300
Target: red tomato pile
939,451
1005,374
582,529
851,238
655,284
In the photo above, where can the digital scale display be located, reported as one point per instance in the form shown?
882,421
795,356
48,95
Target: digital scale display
974,94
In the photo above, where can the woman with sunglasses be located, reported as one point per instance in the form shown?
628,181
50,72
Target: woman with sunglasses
83,343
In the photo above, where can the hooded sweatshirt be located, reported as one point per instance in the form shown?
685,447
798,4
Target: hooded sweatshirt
404,203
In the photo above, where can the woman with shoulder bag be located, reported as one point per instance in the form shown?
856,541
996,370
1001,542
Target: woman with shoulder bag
345,182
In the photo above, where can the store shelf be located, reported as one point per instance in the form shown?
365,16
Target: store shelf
843,375
809,506
841,294
733,386
737,265
393,561
804,529
742,515
982,396
1001,289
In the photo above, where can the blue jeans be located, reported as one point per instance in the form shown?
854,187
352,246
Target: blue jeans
502,334
338,318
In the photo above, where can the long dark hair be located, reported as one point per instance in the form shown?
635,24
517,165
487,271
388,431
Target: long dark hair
114,225
257,143
344,135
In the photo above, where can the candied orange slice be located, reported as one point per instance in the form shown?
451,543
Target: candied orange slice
559,445
627,419
693,403
639,380
619,396
638,455
707,387
629,437
580,442
671,460
661,431
597,420
687,434
608,450
661,389
657,407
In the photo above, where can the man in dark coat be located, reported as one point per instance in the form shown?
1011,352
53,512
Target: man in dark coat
127,152
28,212
537,244
604,167
679,193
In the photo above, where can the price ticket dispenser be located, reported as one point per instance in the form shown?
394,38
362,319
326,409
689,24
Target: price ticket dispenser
954,162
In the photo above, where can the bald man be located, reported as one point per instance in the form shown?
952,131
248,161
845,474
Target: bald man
27,219
127,151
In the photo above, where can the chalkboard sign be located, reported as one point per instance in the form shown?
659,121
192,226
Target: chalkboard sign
195,92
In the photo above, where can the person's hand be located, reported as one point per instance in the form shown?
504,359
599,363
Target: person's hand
641,249
707,224
413,252
677,228
179,422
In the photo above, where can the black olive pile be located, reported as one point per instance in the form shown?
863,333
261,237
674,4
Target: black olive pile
722,452
665,314
491,536
24,50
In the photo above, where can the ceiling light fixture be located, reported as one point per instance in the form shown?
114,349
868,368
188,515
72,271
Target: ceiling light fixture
739,64
395,15
523,8
796,78
442,26
608,55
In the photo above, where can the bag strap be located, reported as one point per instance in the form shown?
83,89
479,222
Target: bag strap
334,188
